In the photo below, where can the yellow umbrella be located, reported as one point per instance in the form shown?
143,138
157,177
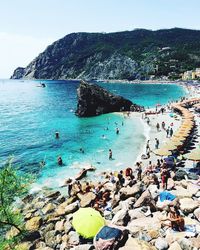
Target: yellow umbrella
194,155
170,146
87,222
162,152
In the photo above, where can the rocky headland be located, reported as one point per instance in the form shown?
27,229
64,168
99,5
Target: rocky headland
94,100
130,55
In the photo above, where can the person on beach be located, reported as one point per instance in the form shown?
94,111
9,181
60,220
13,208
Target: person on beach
60,161
128,172
148,120
158,127
158,165
165,175
163,125
162,110
167,131
148,147
110,154
121,178
174,220
171,132
157,143
88,187
149,168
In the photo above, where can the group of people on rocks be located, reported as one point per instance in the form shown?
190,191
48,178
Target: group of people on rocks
157,174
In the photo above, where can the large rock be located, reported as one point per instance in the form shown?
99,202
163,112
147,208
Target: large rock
185,244
64,210
188,205
86,199
161,244
94,100
24,246
121,218
193,189
197,213
136,214
48,208
34,223
73,238
146,223
127,192
181,192
12,233
175,246
50,239
136,244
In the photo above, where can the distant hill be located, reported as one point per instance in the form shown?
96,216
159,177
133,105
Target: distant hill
121,55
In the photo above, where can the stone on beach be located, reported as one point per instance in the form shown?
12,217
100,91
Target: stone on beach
34,223
188,205
133,243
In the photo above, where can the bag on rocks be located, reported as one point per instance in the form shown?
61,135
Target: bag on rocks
109,238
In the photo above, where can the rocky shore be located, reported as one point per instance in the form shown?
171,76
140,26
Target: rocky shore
48,215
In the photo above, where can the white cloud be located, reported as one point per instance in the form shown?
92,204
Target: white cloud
19,50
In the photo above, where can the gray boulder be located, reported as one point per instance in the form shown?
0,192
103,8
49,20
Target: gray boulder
94,100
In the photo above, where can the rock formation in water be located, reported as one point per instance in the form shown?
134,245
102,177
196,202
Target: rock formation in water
136,54
94,100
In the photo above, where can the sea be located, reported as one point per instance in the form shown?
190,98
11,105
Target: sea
30,115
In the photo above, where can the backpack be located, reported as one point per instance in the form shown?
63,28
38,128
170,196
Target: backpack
109,238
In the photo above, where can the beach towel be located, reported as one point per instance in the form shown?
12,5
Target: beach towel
166,196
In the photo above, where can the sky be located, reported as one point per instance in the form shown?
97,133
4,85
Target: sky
27,27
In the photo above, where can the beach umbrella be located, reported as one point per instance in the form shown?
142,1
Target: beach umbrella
87,222
178,140
194,155
162,152
170,146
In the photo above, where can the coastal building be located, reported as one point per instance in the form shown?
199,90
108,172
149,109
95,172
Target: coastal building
191,74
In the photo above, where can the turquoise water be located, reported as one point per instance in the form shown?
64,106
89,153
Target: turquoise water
30,116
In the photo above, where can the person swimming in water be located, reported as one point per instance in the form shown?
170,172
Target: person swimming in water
60,161
57,135
110,154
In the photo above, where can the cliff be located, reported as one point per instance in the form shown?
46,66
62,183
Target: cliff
94,100
121,55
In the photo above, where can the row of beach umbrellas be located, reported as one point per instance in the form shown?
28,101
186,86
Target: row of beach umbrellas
181,135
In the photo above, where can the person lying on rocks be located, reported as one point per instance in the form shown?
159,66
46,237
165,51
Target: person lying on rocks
174,220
